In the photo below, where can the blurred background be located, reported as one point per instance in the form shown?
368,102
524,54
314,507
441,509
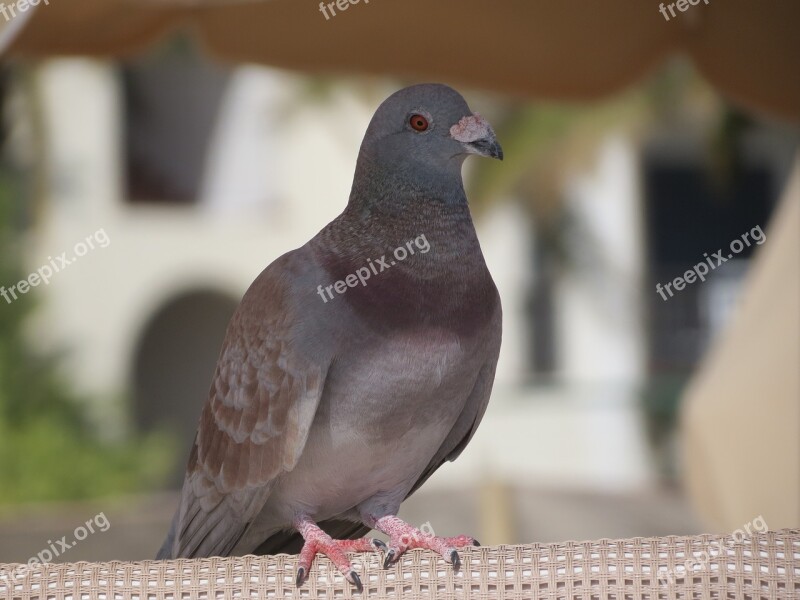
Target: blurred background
615,413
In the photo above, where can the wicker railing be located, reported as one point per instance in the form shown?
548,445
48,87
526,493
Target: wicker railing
764,565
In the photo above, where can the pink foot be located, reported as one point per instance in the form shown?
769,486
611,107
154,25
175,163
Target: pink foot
319,542
403,536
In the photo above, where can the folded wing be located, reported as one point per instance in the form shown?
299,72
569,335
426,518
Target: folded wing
254,425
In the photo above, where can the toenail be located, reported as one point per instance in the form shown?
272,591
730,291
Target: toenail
389,558
356,581
379,545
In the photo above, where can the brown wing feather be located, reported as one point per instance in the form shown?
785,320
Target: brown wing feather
254,425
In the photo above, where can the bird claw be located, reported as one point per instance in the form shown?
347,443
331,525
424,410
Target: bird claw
353,578
318,542
405,537
389,558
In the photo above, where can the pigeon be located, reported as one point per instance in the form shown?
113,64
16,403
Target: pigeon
356,365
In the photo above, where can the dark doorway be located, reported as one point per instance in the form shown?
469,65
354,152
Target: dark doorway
174,363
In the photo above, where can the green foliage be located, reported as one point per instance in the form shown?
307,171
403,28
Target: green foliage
660,401
49,459
49,450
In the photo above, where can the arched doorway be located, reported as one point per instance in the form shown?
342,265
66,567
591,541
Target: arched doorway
174,362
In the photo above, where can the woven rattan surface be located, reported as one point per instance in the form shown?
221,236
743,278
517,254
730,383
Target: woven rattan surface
764,565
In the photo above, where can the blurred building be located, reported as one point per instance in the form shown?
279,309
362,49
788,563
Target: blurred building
201,175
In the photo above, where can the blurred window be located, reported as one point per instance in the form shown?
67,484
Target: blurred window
172,99
691,213
541,313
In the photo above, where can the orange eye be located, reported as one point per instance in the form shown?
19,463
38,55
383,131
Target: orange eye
418,123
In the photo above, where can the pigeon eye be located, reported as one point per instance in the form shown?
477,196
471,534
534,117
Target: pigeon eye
418,123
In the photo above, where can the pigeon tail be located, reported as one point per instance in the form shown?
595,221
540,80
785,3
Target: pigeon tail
165,553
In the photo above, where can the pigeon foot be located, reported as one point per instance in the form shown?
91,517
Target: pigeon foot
319,542
403,537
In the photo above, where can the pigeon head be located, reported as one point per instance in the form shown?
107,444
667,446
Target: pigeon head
423,133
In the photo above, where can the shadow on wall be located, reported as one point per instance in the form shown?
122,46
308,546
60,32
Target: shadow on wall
174,363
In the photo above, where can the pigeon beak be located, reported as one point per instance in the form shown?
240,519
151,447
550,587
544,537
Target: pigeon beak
477,137
488,147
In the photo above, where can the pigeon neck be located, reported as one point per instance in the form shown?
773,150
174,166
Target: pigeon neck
393,205
425,267
443,282
392,190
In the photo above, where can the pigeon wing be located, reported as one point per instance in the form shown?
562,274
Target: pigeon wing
254,426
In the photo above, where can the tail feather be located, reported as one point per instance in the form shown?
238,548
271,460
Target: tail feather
165,553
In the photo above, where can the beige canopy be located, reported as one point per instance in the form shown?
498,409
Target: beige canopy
742,411
564,49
